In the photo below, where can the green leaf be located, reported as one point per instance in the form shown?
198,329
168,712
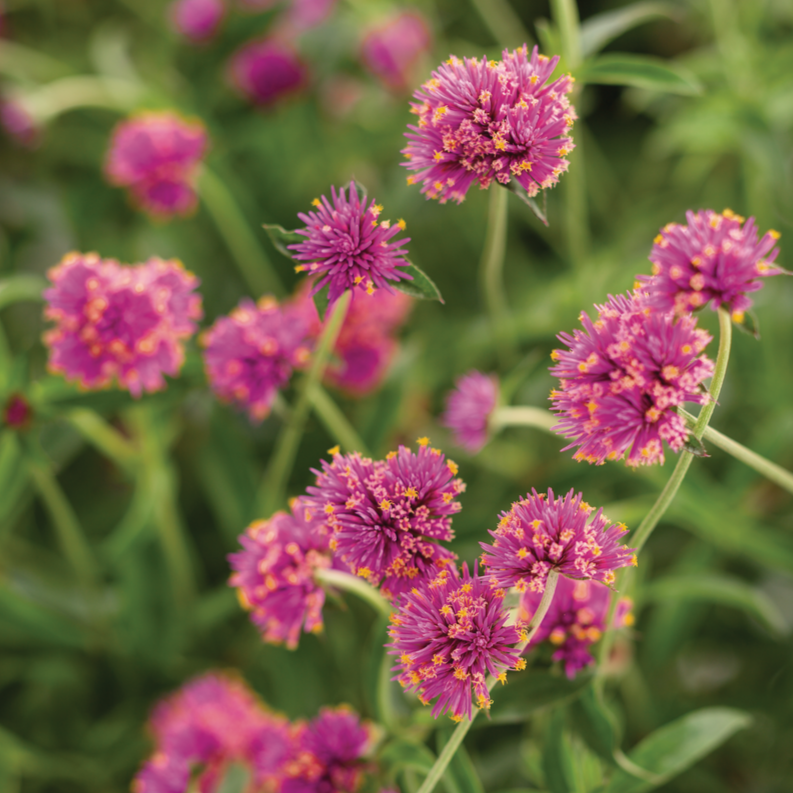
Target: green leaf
421,286
514,187
695,446
677,746
17,288
639,71
721,590
401,753
321,301
749,323
280,238
548,35
461,770
595,724
235,780
557,766
600,29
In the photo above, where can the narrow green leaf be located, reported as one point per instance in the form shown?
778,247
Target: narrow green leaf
594,724
17,288
38,623
639,71
556,762
548,35
235,780
321,301
695,446
421,286
677,746
280,238
600,29
401,754
749,323
514,187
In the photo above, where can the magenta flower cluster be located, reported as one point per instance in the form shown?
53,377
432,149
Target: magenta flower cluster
197,20
481,121
156,156
468,409
117,323
540,534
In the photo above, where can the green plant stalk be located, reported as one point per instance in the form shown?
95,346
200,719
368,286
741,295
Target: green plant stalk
102,436
521,416
565,16
444,758
253,263
336,423
503,23
356,586
70,93
271,493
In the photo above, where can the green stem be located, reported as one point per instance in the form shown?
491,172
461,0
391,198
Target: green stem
271,493
335,421
253,263
106,439
503,23
70,93
521,416
565,15
357,586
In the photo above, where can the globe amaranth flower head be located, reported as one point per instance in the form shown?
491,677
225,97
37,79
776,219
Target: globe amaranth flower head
156,155
622,378
275,573
197,20
250,354
541,534
449,633
347,247
576,619
715,259
119,323
266,70
387,515
483,120
468,409
211,722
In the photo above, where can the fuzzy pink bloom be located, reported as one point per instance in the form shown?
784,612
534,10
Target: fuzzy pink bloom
449,633
347,247
576,619
197,20
392,50
387,515
19,124
622,378
119,323
468,409
266,70
482,120
715,259
210,723
541,534
249,355
303,15
17,412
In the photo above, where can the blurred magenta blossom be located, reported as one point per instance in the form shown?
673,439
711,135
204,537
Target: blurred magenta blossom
266,70
197,20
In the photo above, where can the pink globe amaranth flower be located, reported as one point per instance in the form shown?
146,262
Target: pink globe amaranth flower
541,534
391,50
386,515
482,120
449,633
19,124
210,723
715,259
250,354
622,378
346,246
119,323
156,155
468,409
266,70
576,619
17,412
197,20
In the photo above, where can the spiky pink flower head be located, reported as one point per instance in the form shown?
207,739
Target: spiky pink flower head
212,722
386,515
468,409
19,124
482,120
449,633
331,752
275,573
197,20
715,259
622,378
156,156
250,354
346,247
576,619
541,534
266,70
113,322
393,48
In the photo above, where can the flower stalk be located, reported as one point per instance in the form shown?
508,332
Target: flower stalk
521,416
356,586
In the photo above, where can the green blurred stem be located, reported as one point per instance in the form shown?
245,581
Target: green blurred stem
335,421
357,586
252,262
444,758
565,16
70,93
271,493
491,266
503,23
106,439
521,416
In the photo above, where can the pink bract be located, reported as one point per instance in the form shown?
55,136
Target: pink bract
468,409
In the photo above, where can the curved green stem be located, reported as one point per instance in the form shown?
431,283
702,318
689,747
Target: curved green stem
521,416
70,93
100,434
335,421
357,586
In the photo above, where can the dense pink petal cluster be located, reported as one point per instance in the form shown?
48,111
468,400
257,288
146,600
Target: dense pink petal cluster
392,49
449,633
119,323
347,247
387,515
156,156
197,20
541,534
576,619
715,259
275,573
210,723
250,354
622,378
266,70
483,120
468,408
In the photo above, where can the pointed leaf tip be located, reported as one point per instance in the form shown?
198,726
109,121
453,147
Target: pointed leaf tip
515,188
420,285
281,238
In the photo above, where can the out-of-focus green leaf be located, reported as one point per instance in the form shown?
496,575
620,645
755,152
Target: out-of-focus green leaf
594,724
401,753
639,71
17,288
676,746
548,35
322,302
514,187
461,771
600,29
556,760
38,623
421,285
281,238
749,323
235,780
